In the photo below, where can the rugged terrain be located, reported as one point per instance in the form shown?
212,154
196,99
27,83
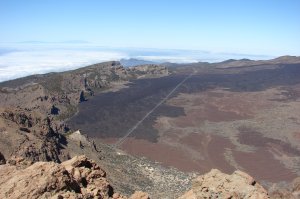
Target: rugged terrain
75,178
33,109
233,115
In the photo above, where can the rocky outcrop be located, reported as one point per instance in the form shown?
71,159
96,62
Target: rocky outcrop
20,118
216,184
75,178
149,70
30,137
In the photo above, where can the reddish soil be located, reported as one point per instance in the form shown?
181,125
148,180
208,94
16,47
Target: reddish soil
212,147
297,135
262,166
261,163
208,152
167,155
203,151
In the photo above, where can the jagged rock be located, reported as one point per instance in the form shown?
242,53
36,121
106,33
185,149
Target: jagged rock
20,118
40,180
30,136
216,184
77,177
2,159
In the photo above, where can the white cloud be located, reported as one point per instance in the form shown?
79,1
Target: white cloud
173,59
23,60
23,63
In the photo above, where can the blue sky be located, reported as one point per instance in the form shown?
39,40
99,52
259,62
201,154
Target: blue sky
269,27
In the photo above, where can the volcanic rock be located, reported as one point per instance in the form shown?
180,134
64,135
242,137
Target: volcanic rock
75,178
216,184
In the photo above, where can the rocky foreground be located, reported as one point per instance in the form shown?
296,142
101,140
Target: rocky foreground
75,178
83,178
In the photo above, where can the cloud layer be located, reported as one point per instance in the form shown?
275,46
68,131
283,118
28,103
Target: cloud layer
20,61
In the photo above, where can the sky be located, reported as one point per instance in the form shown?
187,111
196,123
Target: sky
71,33
241,26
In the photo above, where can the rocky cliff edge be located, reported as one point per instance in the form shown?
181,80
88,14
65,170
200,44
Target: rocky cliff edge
75,178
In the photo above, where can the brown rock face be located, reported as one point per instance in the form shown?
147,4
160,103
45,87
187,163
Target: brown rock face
75,178
216,184
27,135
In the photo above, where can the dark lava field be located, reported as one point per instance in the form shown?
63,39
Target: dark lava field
206,123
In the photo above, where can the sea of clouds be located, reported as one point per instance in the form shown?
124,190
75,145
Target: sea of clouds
19,60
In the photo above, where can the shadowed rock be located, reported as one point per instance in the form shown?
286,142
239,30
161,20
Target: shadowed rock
2,159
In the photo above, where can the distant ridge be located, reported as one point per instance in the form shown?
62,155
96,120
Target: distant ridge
231,63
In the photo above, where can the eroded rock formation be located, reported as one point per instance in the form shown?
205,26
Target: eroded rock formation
216,184
75,178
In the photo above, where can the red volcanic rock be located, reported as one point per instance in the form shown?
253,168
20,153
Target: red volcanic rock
75,178
216,184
